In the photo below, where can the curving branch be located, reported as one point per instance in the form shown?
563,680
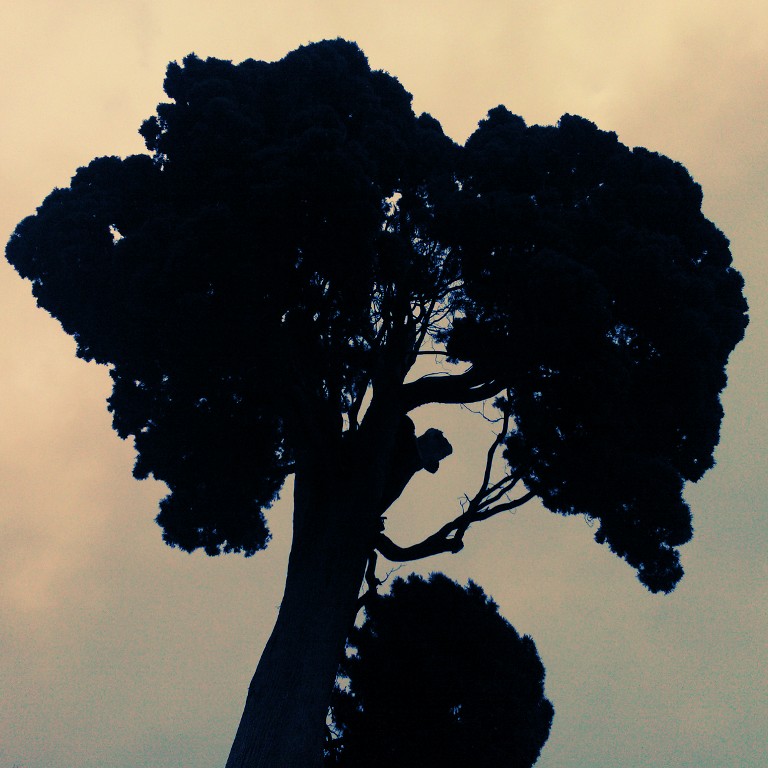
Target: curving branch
437,543
499,490
467,387
484,504
450,538
492,452
487,512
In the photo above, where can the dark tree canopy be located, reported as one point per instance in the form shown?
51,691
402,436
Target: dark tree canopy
600,296
297,236
437,677
230,272
262,284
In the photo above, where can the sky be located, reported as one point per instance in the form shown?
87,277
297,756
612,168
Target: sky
119,652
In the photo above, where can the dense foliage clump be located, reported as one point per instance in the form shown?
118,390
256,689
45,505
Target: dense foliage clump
435,676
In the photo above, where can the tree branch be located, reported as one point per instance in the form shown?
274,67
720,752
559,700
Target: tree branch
432,545
491,511
450,538
492,453
496,491
467,387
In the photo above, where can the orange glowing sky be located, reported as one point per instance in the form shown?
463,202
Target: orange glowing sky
118,651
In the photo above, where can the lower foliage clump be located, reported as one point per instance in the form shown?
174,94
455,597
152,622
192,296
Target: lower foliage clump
436,676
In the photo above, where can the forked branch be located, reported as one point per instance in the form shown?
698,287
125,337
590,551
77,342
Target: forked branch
486,503
450,538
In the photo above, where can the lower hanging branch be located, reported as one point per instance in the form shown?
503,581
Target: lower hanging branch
450,538
432,545
490,500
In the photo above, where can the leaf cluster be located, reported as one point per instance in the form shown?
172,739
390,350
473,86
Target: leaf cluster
605,301
436,676
227,280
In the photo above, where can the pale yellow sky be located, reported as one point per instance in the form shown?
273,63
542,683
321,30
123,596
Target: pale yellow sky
117,651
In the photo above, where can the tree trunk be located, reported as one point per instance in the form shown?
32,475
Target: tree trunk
284,721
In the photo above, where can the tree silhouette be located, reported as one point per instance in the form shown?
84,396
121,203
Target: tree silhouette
263,282
437,677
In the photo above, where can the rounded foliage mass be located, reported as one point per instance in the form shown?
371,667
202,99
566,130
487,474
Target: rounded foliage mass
228,277
605,303
436,676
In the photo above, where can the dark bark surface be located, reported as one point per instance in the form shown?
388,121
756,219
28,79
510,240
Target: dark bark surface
283,724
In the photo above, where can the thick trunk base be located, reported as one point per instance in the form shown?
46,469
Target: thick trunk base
284,721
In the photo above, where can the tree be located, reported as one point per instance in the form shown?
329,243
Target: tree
437,677
263,282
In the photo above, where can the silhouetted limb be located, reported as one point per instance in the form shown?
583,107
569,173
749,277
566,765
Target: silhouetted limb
467,387
449,538
486,503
